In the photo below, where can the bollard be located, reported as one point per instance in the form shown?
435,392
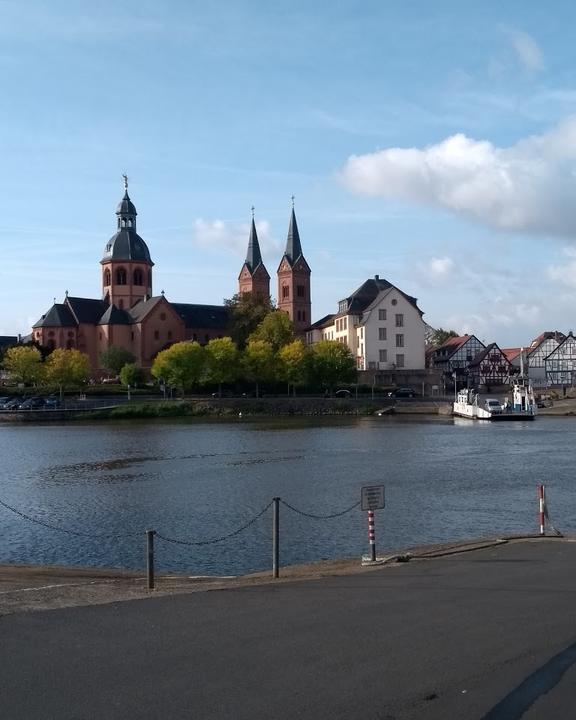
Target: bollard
275,537
371,535
542,509
150,558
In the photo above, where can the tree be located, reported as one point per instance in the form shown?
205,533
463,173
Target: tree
246,312
67,368
131,375
293,363
276,328
332,363
114,358
440,336
23,364
259,362
221,361
181,365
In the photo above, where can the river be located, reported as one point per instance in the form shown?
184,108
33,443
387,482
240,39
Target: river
193,481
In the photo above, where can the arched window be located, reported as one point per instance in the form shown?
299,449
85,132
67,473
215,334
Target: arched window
51,344
121,276
138,277
107,277
70,344
121,304
130,222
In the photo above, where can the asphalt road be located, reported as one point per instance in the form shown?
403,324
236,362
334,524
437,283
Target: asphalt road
488,635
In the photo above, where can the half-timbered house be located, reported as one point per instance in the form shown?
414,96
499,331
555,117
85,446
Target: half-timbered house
490,367
455,355
540,348
560,364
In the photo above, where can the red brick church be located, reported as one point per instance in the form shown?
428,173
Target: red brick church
129,315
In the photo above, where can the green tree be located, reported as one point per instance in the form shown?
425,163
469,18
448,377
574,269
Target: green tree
67,369
221,361
294,360
246,312
131,375
23,364
276,328
181,365
440,336
259,362
332,363
114,358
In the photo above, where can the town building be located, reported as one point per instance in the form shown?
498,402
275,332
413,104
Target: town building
560,364
489,368
380,324
454,356
535,356
129,315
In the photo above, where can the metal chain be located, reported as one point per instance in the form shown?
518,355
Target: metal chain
215,540
319,517
37,521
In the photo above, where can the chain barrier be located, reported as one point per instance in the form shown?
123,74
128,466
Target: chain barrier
45,524
176,541
319,517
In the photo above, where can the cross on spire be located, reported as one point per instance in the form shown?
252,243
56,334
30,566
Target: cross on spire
125,177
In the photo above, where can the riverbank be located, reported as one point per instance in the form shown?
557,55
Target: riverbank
33,588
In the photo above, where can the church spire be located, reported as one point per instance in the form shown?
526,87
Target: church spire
254,278
253,256
293,246
126,210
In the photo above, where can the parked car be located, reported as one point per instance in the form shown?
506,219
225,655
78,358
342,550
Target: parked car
4,400
52,402
342,393
12,404
403,391
33,403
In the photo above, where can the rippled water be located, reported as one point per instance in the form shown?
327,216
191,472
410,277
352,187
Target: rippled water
444,480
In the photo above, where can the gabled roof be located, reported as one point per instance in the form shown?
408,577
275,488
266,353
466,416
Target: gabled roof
511,353
452,345
323,322
365,295
87,310
139,311
216,317
59,315
547,335
483,354
568,339
115,316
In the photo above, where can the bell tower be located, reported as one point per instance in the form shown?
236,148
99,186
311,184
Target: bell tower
126,265
294,280
254,277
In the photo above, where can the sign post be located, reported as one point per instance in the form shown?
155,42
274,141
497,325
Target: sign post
372,498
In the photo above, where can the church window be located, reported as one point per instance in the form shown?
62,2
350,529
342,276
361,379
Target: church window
194,337
285,292
121,304
51,344
51,333
107,276
132,335
162,316
169,334
156,335
138,277
70,344
304,315
301,291
130,222
121,276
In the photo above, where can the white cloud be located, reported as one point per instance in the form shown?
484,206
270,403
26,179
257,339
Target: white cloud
527,50
233,236
435,271
527,187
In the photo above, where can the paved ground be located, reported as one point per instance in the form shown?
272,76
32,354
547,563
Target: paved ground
489,634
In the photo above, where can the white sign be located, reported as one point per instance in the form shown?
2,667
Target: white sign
372,497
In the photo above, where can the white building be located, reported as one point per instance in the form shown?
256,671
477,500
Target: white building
381,325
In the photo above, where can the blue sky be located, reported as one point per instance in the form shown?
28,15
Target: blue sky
433,144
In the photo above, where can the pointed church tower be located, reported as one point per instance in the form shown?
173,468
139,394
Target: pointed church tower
254,277
126,265
294,280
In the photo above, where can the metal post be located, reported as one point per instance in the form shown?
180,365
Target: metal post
371,535
541,509
150,558
275,537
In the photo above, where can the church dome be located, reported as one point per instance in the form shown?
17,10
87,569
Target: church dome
126,244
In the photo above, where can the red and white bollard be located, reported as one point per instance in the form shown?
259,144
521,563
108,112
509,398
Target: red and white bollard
371,535
542,509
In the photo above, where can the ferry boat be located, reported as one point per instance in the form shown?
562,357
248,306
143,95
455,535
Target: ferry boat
521,407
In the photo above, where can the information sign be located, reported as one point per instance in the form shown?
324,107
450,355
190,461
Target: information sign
372,497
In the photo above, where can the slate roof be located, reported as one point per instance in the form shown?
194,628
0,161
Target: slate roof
126,206
87,310
365,295
59,315
143,307
115,316
293,245
126,244
203,316
323,322
253,255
